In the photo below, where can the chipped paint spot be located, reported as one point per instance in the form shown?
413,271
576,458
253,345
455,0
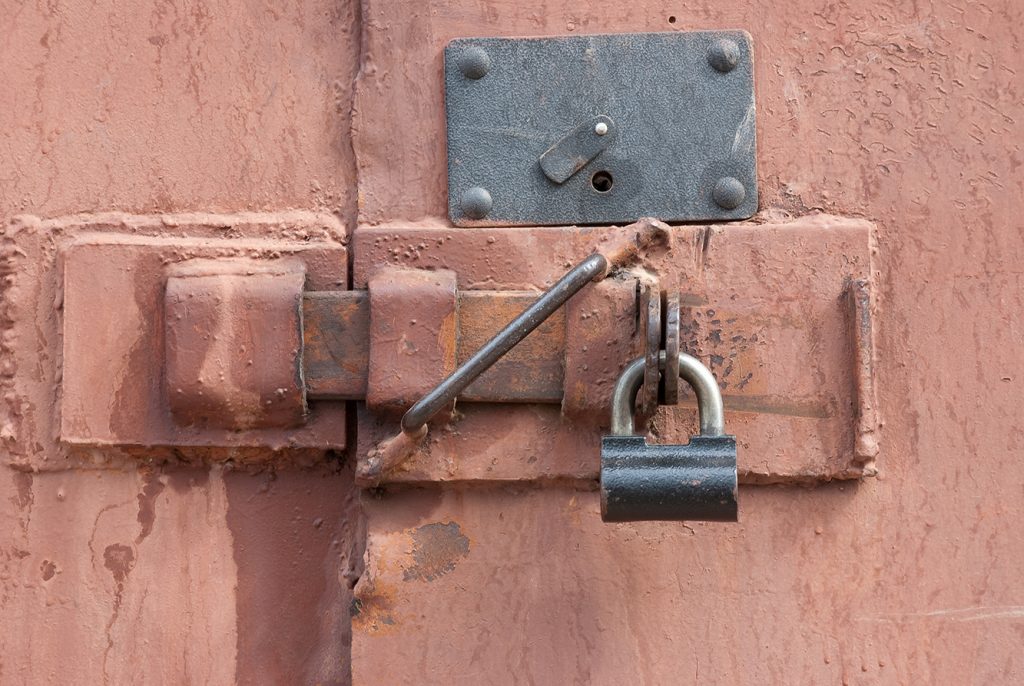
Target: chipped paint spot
372,608
23,484
437,547
152,487
48,569
119,559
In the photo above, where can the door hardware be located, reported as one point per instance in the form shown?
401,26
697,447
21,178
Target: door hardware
597,266
267,317
576,150
641,481
600,129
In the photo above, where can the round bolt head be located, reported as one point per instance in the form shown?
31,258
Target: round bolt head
600,128
476,202
474,62
728,193
724,55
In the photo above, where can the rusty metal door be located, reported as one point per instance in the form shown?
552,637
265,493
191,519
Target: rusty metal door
237,246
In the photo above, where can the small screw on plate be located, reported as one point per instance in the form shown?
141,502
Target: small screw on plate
728,193
724,55
476,202
474,62
600,128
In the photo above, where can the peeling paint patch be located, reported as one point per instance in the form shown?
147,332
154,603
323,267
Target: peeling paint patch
152,487
437,547
23,484
47,569
119,559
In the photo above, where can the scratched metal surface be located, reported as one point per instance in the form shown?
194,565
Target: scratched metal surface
681,126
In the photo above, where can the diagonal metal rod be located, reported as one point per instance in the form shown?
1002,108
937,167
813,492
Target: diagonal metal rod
519,328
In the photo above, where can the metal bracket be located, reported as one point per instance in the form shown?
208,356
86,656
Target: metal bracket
600,129
229,345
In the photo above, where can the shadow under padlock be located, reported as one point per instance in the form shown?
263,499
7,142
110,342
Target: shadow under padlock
692,482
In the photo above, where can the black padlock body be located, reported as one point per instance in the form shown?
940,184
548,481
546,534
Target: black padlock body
693,482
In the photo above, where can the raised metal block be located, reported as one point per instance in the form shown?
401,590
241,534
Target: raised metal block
600,129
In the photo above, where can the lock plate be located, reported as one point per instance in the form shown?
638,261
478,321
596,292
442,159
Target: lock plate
680,144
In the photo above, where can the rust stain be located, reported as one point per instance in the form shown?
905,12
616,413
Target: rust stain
372,608
437,548
790,407
446,338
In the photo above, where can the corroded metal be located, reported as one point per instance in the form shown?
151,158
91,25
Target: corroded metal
625,248
749,292
335,350
858,294
650,316
668,391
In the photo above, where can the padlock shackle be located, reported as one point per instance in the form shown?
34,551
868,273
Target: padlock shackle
701,380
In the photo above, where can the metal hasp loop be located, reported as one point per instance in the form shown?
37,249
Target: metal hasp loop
700,378
493,350
622,250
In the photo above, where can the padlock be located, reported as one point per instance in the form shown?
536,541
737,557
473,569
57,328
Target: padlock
692,482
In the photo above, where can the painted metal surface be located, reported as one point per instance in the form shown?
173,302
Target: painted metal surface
758,296
445,393
525,145
232,343
572,153
413,329
122,398
906,114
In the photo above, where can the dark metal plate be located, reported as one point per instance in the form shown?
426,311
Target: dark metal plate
683,111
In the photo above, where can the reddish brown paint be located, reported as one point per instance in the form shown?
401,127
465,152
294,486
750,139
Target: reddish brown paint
907,114
297,536
766,308
220,107
413,325
233,343
139,394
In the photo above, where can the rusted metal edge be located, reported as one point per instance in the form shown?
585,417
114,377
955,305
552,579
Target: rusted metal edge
336,350
865,450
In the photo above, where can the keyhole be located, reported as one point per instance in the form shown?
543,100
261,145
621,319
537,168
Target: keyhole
601,181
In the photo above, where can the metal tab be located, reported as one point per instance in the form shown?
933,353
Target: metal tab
681,148
576,150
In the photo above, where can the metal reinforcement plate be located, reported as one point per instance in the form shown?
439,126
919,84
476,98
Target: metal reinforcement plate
600,129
